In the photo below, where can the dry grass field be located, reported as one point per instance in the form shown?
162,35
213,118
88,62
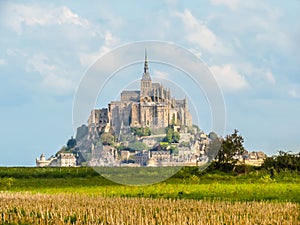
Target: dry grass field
28,208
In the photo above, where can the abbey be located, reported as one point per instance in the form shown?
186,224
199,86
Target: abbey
152,106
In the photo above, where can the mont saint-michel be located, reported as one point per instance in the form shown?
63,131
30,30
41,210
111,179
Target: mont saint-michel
146,127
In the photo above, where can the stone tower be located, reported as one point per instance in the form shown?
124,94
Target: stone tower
146,83
152,106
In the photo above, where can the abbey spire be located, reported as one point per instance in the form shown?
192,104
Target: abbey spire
146,63
146,75
146,83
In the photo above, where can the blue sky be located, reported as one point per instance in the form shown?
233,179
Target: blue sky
252,47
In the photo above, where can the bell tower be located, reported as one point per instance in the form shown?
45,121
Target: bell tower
146,83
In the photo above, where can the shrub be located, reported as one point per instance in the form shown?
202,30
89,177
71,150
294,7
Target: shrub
6,183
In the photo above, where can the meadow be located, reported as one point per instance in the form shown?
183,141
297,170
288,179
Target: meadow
82,196
25,208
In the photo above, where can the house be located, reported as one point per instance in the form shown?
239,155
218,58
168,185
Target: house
142,157
62,160
254,158
66,160
161,155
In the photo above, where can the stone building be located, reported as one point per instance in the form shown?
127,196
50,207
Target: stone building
161,155
66,160
62,160
151,106
142,157
42,161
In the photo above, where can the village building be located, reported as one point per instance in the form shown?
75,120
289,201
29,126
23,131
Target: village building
66,160
42,161
161,155
142,157
254,158
62,160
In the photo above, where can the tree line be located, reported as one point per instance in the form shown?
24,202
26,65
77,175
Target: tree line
283,161
233,145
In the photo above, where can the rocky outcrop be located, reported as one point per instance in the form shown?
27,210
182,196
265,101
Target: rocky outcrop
82,131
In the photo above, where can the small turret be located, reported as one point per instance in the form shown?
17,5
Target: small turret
42,157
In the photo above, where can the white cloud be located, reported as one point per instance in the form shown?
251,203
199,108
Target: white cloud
259,76
19,15
273,36
2,62
11,52
16,53
232,4
53,78
110,41
196,52
228,78
270,77
198,33
39,63
293,91
171,2
161,74
256,5
259,19
86,59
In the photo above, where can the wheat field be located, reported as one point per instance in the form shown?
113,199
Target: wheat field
27,208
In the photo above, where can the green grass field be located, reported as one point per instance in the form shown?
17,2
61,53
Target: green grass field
82,196
188,183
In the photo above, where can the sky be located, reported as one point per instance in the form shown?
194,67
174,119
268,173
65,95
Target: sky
46,47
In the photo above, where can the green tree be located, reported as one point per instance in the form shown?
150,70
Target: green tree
137,146
169,135
231,146
141,131
176,137
164,145
71,143
172,136
174,150
147,131
283,161
107,139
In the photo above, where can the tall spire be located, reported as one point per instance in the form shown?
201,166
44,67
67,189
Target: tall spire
146,75
146,63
